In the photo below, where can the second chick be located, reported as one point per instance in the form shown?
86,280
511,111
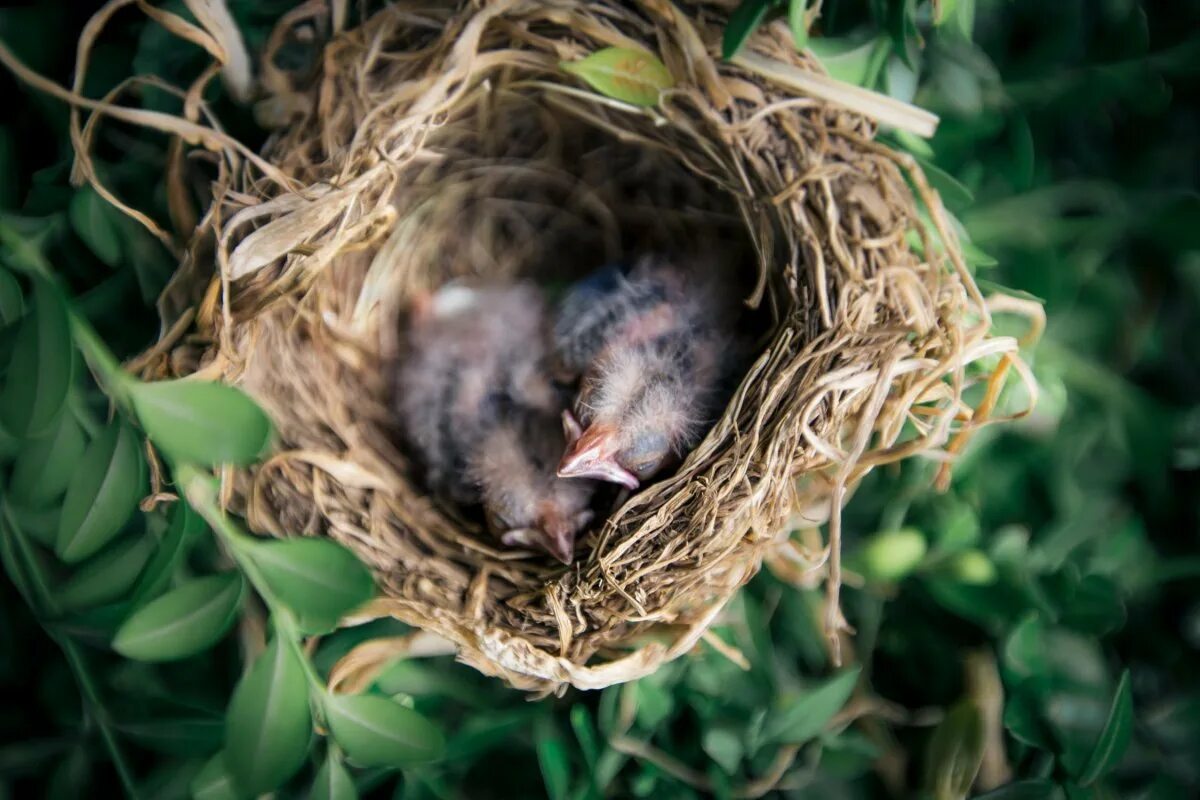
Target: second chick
652,349
481,413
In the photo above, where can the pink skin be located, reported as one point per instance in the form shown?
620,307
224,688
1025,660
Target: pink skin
591,454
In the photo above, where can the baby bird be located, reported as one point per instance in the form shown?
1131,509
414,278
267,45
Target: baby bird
649,348
525,503
479,410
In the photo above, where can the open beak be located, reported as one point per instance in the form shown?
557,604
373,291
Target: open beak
591,456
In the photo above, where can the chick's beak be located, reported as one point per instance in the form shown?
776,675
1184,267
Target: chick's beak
560,543
592,456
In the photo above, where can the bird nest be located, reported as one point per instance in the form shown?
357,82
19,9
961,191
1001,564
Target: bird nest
434,142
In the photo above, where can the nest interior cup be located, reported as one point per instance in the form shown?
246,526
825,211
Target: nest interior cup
437,141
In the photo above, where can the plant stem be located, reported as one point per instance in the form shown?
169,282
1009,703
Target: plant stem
112,378
87,686
201,492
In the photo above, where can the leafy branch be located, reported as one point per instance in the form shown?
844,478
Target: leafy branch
307,585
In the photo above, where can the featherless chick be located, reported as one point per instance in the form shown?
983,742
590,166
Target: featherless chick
481,414
650,348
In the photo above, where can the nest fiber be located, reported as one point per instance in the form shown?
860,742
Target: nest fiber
437,141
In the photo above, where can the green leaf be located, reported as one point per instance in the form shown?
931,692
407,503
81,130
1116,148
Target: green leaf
39,374
655,703
177,736
182,622
201,422
798,22
45,465
375,731
581,724
954,194
943,10
1036,789
742,22
103,493
634,76
70,777
723,744
858,64
552,758
12,300
892,555
106,576
806,716
185,526
1095,606
268,725
964,18
213,782
976,257
315,578
955,753
91,217
333,782
1114,739
8,168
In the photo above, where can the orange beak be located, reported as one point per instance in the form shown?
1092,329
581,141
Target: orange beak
592,456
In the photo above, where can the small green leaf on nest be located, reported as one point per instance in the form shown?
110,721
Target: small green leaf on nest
182,622
633,76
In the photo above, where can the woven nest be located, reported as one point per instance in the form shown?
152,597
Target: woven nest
434,142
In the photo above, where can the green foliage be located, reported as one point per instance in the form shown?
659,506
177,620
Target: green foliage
316,578
1114,739
375,731
95,221
183,621
802,718
955,753
1063,549
268,725
39,372
200,422
102,494
333,782
107,575
44,466
743,22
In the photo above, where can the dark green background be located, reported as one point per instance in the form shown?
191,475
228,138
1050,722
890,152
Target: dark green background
1072,133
